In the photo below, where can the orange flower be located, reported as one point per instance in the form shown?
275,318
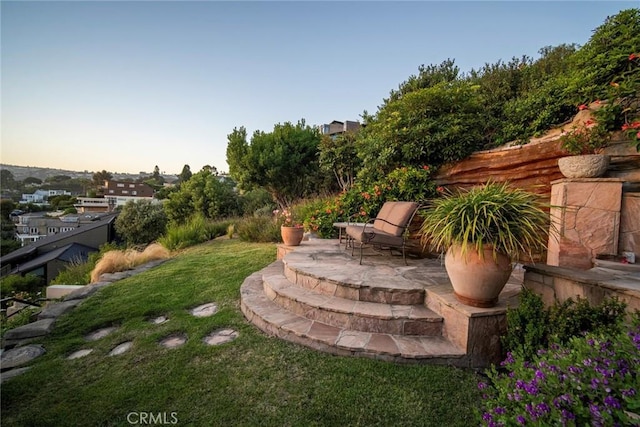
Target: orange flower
582,107
425,167
635,125
614,84
625,126
633,56
440,189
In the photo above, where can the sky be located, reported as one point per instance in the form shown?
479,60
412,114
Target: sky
125,86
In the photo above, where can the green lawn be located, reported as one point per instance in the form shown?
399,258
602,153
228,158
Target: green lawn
254,380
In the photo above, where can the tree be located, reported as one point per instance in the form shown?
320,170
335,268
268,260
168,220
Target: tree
141,222
284,161
8,241
339,157
7,180
205,194
32,181
428,126
185,175
100,177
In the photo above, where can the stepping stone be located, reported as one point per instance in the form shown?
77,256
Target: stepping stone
121,348
221,337
159,320
173,341
100,333
80,353
205,310
12,373
20,355
86,291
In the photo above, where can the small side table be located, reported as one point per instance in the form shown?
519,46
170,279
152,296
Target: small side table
341,226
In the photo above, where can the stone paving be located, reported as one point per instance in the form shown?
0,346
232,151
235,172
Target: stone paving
319,296
16,350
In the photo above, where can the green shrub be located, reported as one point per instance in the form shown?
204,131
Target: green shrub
531,327
196,230
527,325
574,318
261,229
17,285
141,222
20,318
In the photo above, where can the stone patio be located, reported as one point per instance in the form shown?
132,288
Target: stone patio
319,296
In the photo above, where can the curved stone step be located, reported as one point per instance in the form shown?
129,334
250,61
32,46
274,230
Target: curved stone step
276,320
345,313
337,273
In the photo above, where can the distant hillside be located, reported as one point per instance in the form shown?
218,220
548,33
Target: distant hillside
22,172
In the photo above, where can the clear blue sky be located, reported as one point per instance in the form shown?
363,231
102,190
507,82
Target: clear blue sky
125,86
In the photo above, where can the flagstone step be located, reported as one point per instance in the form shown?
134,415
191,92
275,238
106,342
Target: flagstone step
276,320
340,312
338,274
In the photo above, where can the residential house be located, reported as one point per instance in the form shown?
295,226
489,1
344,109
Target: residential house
40,197
116,193
336,128
47,256
31,227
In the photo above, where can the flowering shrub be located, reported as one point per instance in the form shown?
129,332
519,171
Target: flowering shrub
633,132
593,380
287,218
588,138
363,202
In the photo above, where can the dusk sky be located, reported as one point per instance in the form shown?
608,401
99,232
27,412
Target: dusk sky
125,86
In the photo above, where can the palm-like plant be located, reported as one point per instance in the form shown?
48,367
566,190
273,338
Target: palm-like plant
511,220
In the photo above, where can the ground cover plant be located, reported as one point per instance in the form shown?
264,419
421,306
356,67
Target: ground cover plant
253,380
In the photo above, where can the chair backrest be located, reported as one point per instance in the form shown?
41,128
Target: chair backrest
394,217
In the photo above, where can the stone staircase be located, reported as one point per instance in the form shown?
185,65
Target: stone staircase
317,295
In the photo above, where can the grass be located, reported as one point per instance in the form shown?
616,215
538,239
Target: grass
253,380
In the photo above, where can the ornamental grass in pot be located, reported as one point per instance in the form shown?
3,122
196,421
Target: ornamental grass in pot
483,231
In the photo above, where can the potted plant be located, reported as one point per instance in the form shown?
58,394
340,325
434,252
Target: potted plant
483,230
585,144
291,230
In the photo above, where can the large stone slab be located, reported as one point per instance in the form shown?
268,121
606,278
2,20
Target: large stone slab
32,330
20,356
59,291
86,291
55,310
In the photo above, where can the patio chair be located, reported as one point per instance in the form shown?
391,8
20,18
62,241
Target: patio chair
387,230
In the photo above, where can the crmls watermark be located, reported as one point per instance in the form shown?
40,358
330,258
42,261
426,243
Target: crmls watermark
152,418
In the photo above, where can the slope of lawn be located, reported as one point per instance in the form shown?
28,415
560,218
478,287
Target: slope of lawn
253,380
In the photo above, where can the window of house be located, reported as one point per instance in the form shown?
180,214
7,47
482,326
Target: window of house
120,185
132,186
110,191
134,193
33,230
125,191
52,230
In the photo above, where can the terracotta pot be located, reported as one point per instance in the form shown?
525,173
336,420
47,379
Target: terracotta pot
292,236
584,166
477,281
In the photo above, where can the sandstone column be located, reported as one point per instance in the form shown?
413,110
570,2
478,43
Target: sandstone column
586,214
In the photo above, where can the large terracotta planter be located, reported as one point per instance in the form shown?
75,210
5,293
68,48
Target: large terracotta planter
477,281
292,236
584,166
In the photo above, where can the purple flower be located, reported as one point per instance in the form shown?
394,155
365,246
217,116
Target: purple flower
612,402
499,410
594,383
543,408
521,420
482,385
508,360
540,374
487,416
629,393
568,415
